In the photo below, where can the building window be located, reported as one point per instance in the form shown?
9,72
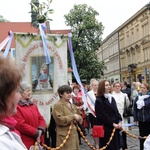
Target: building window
128,40
128,57
146,54
138,55
137,34
132,37
145,30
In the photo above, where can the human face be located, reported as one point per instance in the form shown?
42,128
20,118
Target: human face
117,87
12,102
76,91
26,94
107,87
144,89
66,96
95,86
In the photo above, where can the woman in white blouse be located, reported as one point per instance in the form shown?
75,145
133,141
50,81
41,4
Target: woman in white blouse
120,101
10,76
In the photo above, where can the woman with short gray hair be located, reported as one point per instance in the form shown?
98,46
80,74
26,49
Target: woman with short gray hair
30,123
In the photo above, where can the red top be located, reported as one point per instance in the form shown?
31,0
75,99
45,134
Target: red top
29,121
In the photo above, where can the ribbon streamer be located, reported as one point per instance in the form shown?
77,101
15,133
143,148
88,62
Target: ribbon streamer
8,44
75,71
8,40
4,43
129,125
42,28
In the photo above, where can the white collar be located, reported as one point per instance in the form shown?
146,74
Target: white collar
3,129
109,96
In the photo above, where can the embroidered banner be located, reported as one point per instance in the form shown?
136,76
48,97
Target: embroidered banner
44,78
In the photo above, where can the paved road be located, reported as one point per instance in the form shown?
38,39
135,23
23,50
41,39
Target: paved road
133,143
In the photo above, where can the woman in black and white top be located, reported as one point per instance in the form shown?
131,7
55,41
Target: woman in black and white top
107,115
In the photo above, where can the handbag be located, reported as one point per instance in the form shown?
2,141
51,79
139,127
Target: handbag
98,131
128,111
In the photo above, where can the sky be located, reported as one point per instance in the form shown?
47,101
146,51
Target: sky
112,13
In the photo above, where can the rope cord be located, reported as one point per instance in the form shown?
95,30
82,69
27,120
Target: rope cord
64,141
87,142
92,147
134,136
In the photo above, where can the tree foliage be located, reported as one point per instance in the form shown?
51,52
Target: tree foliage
86,39
2,19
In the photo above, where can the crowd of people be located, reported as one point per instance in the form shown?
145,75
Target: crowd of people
22,124
105,107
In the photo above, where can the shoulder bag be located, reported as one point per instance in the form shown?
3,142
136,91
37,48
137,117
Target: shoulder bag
128,111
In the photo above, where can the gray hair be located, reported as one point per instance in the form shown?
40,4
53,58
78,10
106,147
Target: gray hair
24,86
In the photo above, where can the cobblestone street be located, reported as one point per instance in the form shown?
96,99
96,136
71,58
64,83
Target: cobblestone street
133,143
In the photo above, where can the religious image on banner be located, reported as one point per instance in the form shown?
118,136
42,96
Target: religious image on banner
42,74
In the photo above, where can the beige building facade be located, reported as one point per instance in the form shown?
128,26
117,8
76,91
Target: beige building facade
126,51
134,43
109,53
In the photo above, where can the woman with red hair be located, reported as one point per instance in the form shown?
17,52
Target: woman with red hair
77,100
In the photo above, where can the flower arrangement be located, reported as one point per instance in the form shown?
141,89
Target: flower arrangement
41,10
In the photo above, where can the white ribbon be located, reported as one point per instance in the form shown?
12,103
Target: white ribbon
9,40
4,43
140,103
42,28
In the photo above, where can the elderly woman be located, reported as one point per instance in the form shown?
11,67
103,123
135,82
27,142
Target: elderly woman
30,123
141,112
65,114
9,96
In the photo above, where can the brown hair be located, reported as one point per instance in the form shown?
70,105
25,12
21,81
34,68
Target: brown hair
101,88
76,86
64,88
10,76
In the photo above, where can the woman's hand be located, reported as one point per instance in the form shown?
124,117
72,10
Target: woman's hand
80,107
38,138
77,117
117,126
120,125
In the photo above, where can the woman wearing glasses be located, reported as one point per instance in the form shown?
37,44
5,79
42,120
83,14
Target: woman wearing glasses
121,99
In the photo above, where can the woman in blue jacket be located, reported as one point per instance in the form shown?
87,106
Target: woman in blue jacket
142,112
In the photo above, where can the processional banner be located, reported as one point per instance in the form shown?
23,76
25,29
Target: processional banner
44,78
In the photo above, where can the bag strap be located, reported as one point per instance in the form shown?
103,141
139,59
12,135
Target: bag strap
125,102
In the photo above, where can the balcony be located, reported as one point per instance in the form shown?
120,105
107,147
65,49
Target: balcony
132,67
